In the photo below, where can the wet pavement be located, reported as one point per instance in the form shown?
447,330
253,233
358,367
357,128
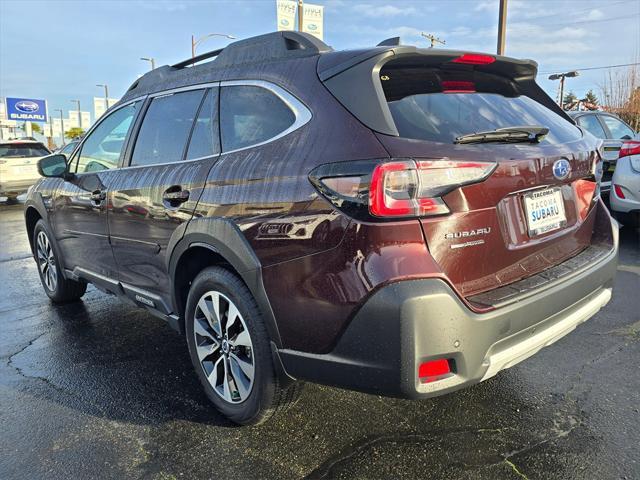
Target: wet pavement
101,389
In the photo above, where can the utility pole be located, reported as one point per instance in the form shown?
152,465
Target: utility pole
502,26
300,14
77,102
561,77
61,125
433,39
106,96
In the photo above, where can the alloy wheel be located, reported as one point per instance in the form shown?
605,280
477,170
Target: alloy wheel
46,261
224,348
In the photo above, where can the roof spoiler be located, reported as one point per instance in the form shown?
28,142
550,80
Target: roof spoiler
341,71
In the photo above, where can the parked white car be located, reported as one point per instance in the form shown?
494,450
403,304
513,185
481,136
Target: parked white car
19,166
625,194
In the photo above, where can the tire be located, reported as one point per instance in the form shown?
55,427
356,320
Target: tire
58,288
232,355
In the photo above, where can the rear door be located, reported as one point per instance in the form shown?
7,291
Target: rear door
159,186
532,211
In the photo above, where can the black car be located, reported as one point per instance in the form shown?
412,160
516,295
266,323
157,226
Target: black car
377,219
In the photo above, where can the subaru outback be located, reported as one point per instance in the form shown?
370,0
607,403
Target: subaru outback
393,220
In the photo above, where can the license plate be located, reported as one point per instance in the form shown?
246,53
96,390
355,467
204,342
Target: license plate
545,211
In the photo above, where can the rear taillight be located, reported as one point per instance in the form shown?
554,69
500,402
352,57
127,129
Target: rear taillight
411,188
619,192
631,147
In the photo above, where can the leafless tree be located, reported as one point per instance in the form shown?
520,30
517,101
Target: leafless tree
620,94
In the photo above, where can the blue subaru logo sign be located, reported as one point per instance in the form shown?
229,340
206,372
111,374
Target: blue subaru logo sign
561,169
26,109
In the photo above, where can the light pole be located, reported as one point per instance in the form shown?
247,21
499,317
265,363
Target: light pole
502,26
106,95
150,60
77,102
561,77
195,42
61,124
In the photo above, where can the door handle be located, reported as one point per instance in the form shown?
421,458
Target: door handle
174,197
97,196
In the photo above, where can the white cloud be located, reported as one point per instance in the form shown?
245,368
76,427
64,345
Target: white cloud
594,14
374,11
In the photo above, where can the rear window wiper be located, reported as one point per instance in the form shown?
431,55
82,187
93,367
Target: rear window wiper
523,134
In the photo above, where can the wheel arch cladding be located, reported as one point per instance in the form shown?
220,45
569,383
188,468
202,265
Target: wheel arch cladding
217,241
31,216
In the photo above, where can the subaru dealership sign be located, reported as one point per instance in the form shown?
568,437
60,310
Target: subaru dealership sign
26,109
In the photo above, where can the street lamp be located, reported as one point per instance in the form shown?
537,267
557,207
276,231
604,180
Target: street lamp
150,60
106,95
77,102
61,124
561,77
195,43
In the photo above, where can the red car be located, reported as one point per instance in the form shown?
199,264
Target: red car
395,220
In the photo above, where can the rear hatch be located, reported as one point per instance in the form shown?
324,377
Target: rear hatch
19,160
532,211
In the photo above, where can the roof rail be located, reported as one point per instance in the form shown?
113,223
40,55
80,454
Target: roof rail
389,42
198,58
270,45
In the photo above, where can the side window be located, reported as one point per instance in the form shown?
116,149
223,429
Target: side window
205,138
250,115
102,148
165,128
591,124
618,129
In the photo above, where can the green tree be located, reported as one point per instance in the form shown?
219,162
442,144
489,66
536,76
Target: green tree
74,133
591,97
36,128
570,98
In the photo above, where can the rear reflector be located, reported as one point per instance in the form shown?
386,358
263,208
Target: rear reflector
475,59
619,192
629,148
433,370
414,187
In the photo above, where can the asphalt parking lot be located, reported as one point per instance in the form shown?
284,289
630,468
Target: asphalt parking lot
99,388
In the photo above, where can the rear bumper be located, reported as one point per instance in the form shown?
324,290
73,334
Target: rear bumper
16,186
407,323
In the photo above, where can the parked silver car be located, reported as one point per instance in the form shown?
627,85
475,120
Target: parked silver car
613,131
625,192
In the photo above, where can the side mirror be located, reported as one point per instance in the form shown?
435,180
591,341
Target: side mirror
53,165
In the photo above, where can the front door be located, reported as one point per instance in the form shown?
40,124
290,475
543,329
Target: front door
80,206
158,189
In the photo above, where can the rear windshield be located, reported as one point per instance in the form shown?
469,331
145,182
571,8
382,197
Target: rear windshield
436,105
22,150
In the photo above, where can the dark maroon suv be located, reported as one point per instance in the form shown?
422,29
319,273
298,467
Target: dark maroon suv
393,220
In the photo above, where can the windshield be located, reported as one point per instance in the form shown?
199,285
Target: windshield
429,104
22,150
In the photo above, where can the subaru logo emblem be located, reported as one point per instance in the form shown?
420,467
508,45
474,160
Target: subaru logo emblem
561,169
27,106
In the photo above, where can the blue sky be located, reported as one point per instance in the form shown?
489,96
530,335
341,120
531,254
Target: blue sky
59,50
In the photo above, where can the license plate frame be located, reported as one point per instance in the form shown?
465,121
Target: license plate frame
545,200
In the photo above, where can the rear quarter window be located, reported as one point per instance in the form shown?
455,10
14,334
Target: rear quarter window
250,115
431,104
